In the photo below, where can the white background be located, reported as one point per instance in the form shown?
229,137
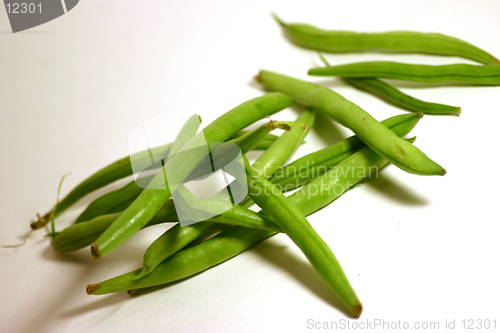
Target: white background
416,249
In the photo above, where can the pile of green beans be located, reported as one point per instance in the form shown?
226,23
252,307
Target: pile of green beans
319,178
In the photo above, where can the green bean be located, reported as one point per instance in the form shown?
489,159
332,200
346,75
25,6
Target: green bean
185,263
316,164
390,94
274,158
239,134
152,198
176,239
223,154
235,240
376,136
187,132
80,235
263,145
454,73
112,200
293,222
121,207
339,41
323,190
398,98
276,155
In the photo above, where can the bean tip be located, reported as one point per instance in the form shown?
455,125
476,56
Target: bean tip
357,310
443,173
95,252
40,222
35,225
258,77
276,17
91,288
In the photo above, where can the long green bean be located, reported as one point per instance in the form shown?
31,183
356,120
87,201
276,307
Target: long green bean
378,137
316,164
293,222
340,41
453,73
390,94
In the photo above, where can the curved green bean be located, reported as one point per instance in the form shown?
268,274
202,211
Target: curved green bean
340,41
394,96
239,134
187,132
460,73
378,137
151,200
276,155
293,222
316,164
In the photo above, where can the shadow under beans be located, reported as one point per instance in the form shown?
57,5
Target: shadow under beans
102,302
75,257
386,186
83,257
301,270
328,131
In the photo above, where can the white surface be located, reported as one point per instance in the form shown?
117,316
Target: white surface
416,249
